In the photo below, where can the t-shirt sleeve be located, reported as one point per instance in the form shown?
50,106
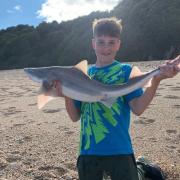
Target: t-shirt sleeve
77,104
136,93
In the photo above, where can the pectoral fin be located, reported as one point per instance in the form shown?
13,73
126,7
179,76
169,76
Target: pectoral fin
108,101
45,96
148,84
43,100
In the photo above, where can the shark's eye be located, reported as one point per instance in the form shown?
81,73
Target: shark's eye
47,85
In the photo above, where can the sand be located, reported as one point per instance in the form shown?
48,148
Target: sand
43,144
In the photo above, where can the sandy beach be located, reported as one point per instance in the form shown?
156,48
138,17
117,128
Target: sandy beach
43,144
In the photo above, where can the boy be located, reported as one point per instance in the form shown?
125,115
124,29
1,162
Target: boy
105,144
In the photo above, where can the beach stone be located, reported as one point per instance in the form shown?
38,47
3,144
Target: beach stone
3,163
38,177
15,166
20,140
3,155
13,158
49,175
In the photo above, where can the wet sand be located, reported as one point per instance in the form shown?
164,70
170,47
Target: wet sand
43,144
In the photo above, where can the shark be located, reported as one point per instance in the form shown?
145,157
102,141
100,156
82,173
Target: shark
77,85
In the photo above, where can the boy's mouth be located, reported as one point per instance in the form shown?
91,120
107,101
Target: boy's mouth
105,54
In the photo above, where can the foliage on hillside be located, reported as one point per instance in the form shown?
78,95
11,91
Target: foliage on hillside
151,30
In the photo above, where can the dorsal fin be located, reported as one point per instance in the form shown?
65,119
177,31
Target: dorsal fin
82,66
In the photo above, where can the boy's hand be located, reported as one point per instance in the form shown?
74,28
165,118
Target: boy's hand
57,86
175,62
169,70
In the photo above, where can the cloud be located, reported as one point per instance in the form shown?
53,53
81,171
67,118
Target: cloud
9,11
62,10
17,8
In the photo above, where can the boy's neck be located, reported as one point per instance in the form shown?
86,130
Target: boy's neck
102,63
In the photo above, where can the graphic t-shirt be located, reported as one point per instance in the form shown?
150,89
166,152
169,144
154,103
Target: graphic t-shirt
105,131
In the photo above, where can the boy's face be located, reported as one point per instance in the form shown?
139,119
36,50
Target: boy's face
105,48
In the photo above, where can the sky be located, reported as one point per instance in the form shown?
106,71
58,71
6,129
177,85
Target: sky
33,12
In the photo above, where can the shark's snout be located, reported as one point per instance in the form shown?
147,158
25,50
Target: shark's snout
28,71
32,74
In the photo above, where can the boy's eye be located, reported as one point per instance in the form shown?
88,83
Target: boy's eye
102,43
111,42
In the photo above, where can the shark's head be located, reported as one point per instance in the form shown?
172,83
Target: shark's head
37,74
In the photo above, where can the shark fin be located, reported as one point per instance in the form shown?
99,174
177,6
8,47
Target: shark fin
148,84
135,72
82,66
43,100
45,97
109,101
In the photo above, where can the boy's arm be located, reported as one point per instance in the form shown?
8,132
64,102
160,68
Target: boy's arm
73,111
138,105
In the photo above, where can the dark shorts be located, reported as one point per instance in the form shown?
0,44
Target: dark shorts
118,167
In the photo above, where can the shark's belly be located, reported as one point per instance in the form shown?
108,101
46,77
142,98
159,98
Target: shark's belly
81,95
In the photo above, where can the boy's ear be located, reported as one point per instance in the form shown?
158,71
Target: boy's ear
93,43
119,44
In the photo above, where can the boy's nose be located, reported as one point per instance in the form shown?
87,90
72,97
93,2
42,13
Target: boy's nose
106,46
